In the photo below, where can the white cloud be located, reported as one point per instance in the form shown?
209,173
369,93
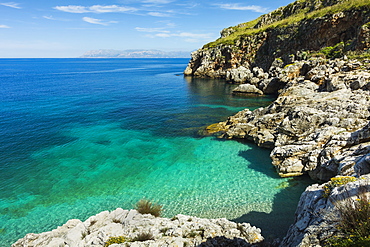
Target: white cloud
236,6
158,1
97,21
151,30
188,5
72,9
94,9
158,14
163,35
11,5
4,26
49,17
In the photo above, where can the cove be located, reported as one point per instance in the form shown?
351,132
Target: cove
79,136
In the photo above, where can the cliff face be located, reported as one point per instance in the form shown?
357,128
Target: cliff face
289,32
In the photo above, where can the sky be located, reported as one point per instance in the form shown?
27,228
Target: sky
67,29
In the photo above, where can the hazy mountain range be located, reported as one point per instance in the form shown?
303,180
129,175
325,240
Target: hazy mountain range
107,53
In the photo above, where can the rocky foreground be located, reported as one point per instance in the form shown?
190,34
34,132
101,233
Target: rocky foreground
145,230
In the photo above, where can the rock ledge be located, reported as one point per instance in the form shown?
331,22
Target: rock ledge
181,230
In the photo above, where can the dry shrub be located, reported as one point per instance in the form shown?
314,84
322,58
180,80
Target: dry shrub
147,207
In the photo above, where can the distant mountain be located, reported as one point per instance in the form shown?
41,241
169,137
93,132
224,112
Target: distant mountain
106,53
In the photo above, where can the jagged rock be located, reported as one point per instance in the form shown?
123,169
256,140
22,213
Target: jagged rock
309,125
247,89
239,75
181,230
316,216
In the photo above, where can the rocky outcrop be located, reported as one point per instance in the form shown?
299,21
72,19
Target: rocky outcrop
319,122
317,216
181,230
274,35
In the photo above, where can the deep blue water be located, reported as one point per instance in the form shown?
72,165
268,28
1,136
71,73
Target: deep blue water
79,136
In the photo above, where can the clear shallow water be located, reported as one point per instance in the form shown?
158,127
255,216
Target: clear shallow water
79,136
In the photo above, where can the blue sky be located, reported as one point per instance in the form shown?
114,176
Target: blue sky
66,28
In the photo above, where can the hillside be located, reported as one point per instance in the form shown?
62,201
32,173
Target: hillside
296,31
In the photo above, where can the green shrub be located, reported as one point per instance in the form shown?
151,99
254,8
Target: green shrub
115,240
147,207
336,51
354,223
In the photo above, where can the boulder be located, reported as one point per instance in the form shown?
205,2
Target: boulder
247,89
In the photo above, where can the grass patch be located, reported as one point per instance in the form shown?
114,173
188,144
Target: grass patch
147,207
249,28
359,55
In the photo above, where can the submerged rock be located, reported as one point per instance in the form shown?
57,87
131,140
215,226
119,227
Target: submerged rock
145,230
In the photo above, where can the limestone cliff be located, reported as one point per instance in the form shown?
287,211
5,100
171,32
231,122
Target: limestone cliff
289,32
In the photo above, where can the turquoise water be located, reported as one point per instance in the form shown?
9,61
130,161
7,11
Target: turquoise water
79,136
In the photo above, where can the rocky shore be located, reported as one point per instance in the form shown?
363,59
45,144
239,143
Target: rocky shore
318,125
145,230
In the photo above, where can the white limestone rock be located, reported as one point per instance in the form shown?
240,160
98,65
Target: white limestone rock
179,231
247,89
316,216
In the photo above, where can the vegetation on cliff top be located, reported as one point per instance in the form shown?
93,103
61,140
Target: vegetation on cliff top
285,16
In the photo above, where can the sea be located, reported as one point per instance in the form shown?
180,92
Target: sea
81,136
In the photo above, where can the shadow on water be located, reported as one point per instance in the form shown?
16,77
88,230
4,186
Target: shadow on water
276,223
257,157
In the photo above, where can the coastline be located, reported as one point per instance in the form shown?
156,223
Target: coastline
56,192
235,126
318,125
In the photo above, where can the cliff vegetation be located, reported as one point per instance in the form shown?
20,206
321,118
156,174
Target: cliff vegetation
291,14
303,29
